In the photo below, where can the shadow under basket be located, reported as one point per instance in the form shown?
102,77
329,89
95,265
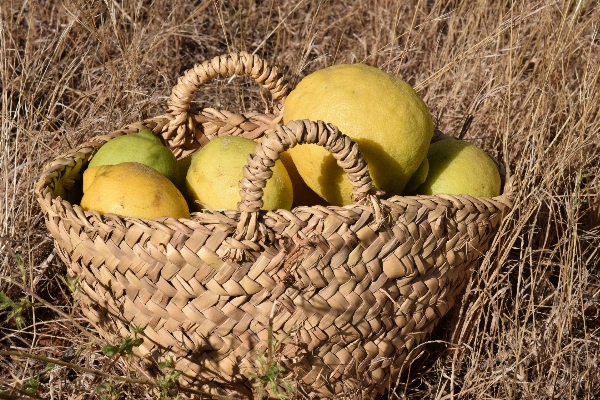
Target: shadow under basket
347,292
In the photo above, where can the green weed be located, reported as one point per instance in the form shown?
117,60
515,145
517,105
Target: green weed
123,348
15,309
168,380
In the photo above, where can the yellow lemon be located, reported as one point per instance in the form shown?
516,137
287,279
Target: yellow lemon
418,177
460,167
217,168
133,190
303,195
380,112
183,164
141,147
88,176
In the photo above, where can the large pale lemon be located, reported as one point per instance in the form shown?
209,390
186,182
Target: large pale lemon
418,177
303,194
142,147
381,112
216,169
460,167
133,190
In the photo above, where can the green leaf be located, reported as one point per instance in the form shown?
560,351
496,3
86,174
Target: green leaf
167,364
20,263
109,350
104,387
123,348
5,302
31,386
49,367
72,283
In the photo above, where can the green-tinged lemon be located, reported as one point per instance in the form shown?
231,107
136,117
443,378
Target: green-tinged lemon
217,168
133,190
460,167
380,112
418,177
141,147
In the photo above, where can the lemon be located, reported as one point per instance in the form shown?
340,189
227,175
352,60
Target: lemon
382,113
460,167
217,168
133,190
183,164
89,175
418,177
142,147
303,195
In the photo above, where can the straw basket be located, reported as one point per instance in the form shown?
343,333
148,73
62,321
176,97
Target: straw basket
347,292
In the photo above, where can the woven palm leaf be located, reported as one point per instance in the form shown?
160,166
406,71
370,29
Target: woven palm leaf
346,292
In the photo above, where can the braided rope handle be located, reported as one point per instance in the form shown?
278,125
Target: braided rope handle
259,170
223,66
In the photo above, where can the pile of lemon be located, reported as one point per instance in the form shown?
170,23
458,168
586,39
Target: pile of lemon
135,175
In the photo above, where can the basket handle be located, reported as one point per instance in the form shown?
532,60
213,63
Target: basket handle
223,66
259,170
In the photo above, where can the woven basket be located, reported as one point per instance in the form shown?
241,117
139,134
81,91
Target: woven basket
348,291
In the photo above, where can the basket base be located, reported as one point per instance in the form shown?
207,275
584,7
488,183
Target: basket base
200,373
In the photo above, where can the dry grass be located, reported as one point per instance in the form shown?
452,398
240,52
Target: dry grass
520,79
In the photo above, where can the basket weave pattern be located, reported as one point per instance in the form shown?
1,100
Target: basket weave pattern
349,291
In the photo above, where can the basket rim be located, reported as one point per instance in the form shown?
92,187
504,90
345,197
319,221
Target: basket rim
158,122
90,146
